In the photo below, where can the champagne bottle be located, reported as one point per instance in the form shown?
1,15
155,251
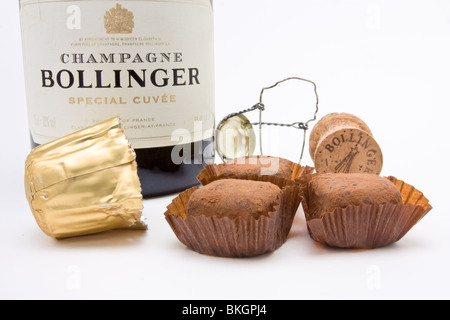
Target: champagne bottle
151,63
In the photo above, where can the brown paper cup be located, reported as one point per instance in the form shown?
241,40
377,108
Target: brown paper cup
240,237
299,171
369,226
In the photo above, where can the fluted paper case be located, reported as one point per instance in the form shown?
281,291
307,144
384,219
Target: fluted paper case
239,237
369,226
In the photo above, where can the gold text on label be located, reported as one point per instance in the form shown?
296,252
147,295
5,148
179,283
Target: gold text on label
157,99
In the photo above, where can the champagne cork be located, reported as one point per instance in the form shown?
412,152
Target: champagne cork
343,143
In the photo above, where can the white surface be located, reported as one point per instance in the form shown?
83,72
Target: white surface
385,61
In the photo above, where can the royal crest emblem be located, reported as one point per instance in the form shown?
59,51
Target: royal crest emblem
119,20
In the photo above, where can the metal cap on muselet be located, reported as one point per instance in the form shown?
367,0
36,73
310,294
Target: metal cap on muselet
235,135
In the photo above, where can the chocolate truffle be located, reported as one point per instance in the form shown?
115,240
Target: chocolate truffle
234,198
361,211
252,168
235,217
258,165
330,191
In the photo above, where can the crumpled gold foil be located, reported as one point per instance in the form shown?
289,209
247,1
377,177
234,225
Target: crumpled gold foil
85,183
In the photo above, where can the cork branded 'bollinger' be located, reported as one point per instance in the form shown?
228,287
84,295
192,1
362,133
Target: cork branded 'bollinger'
148,62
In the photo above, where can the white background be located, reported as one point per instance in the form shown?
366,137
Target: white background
384,61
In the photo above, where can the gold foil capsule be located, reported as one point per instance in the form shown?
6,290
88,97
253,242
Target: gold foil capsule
85,183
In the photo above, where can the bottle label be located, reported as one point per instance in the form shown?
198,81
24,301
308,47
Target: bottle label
148,62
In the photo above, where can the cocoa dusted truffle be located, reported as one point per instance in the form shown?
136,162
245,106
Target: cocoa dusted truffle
235,218
331,191
253,167
259,165
362,211
234,198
